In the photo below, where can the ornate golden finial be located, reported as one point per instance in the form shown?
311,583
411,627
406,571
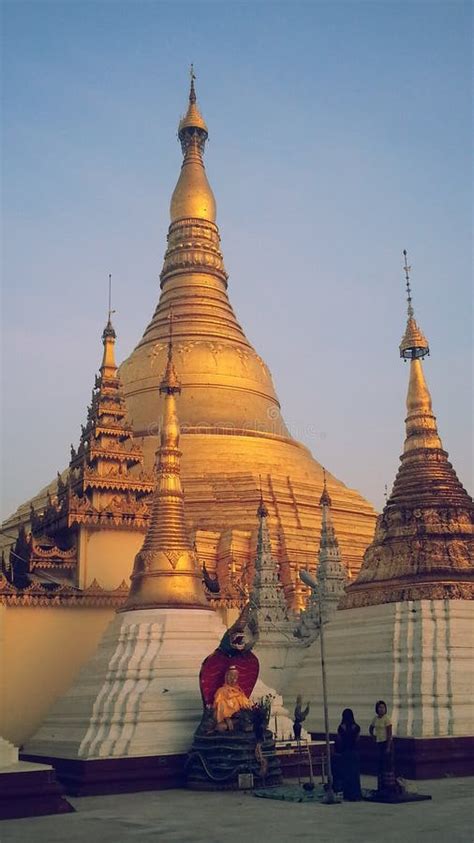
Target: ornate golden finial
192,197
108,366
262,511
192,126
414,343
325,499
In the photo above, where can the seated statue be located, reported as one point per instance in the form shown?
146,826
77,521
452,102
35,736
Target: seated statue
233,735
229,699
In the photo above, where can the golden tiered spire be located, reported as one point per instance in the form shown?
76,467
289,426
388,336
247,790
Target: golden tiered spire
423,544
104,484
166,573
227,383
232,428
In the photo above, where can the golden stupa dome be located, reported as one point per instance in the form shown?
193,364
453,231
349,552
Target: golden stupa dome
232,427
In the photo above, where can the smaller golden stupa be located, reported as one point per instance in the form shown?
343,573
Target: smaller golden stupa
166,572
423,543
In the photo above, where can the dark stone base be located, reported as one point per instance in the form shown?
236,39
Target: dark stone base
116,775
216,760
421,758
31,794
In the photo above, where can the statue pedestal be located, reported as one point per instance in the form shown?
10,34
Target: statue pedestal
415,655
216,761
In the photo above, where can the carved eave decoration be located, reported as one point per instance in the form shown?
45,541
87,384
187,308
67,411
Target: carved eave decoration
122,513
402,590
94,596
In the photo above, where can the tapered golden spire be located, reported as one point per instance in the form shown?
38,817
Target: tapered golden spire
108,366
193,197
166,573
423,544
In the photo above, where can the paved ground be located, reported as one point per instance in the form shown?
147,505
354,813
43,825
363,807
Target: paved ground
190,817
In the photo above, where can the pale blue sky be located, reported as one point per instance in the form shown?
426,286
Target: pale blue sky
339,135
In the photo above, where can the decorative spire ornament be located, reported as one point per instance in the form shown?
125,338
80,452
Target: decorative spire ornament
267,597
414,344
331,574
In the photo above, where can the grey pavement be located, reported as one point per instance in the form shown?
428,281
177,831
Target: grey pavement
192,817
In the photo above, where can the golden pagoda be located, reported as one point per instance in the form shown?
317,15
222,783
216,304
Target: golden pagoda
232,428
423,547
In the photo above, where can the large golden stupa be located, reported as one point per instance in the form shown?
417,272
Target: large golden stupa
234,440
232,428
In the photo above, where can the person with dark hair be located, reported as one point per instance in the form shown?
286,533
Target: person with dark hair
381,730
348,765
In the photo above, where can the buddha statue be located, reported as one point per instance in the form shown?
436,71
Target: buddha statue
233,737
229,700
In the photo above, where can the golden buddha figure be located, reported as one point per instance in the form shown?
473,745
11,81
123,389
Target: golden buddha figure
229,699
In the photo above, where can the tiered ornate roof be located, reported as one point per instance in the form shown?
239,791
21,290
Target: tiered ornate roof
423,545
104,485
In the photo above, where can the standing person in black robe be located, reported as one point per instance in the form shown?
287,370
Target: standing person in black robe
348,761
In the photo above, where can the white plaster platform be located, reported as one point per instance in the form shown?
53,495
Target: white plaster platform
416,655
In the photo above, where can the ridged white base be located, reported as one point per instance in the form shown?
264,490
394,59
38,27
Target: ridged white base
139,695
417,655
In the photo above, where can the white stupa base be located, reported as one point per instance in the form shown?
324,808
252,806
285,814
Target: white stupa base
139,695
418,656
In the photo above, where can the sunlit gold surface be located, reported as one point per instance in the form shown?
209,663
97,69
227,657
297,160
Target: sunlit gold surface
192,196
232,428
166,571
423,544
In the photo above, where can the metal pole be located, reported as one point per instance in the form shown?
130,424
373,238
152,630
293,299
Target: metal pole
330,797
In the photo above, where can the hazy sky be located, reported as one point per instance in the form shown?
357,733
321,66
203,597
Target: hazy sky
339,135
